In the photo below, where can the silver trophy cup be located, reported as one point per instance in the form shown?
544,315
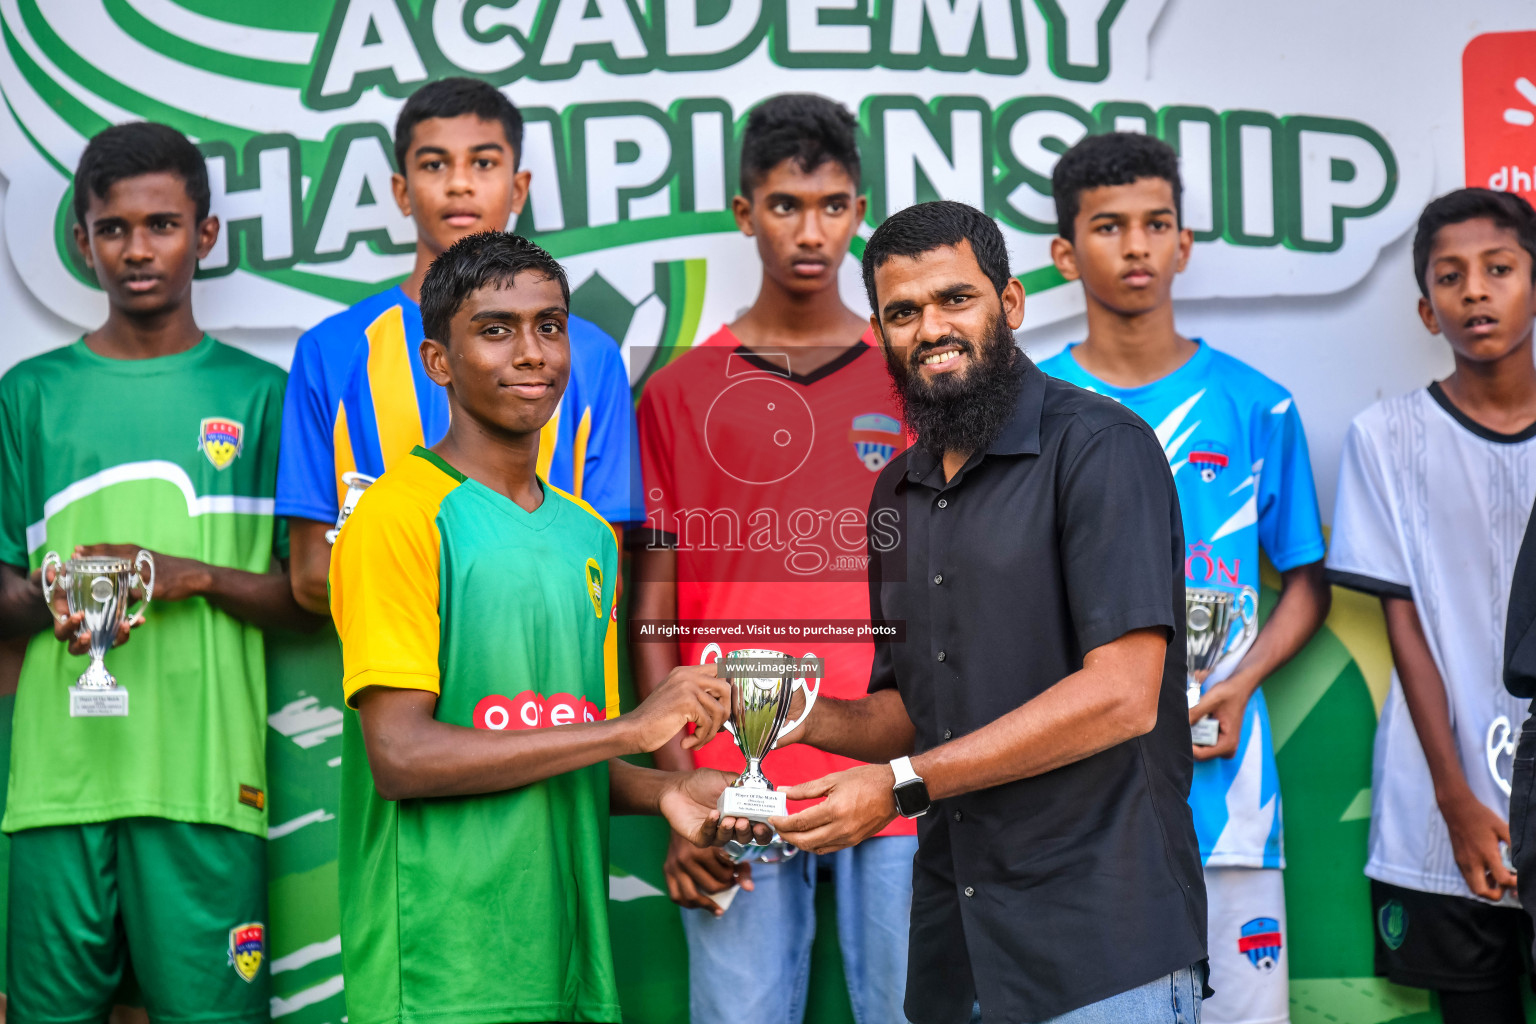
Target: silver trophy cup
101,588
759,707
1210,613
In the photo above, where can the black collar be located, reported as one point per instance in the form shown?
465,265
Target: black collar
1019,436
1443,400
759,360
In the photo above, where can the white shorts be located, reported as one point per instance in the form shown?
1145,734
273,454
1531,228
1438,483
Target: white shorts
1246,938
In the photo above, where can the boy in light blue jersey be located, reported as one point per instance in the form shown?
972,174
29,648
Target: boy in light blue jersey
358,397
1235,443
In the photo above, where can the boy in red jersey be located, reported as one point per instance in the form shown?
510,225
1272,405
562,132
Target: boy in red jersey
759,450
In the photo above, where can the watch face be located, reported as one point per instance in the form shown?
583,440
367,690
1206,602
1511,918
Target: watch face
912,799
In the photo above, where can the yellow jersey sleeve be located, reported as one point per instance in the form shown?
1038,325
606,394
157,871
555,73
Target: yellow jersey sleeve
385,583
611,664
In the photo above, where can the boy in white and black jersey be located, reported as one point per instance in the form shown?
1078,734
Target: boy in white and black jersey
1434,492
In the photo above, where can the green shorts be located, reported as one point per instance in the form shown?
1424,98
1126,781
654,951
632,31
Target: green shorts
180,907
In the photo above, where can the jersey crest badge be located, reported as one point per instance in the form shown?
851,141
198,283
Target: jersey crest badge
1392,923
875,437
1259,940
1209,459
220,439
247,947
595,586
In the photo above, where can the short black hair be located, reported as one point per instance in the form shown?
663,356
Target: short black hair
456,97
136,148
928,226
1113,158
799,126
1505,209
471,263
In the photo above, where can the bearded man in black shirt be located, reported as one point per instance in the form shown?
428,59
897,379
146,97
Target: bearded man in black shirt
1034,715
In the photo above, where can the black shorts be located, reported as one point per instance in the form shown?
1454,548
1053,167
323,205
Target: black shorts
1447,943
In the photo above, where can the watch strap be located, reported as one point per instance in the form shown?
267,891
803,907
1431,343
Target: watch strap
902,766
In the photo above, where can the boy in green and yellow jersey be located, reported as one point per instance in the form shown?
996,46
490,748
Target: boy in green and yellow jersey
142,838
478,623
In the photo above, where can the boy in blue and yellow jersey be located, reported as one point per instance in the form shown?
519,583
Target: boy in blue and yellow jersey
358,397
478,620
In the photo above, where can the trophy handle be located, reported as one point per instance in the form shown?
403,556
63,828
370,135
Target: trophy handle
142,561
810,702
52,558
705,659
1248,608
356,483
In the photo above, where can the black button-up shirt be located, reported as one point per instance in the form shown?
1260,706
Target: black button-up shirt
1049,893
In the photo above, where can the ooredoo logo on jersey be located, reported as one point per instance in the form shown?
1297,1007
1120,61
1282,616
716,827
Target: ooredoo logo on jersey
531,710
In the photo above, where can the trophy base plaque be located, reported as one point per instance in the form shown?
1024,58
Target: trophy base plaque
111,703
1205,732
724,899
753,804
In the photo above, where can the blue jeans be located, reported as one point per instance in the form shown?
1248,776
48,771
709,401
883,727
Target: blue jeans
752,965
1172,999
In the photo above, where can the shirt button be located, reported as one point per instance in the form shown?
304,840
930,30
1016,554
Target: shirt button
943,502
942,655
938,578
969,891
958,815
946,734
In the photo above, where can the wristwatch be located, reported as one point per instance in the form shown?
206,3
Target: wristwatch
911,793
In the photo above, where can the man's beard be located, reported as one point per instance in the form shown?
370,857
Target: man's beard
960,412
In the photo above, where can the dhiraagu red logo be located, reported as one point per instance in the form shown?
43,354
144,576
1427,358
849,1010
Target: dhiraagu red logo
530,710
1498,83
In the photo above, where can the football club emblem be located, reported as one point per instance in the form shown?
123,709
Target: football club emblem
1209,459
875,438
1259,940
220,439
595,586
247,947
1392,923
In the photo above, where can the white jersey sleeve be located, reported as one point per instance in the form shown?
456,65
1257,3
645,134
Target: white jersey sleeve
1367,550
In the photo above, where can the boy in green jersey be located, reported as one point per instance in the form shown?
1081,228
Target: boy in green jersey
142,838
478,623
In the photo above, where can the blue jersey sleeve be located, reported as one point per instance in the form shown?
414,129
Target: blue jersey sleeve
306,463
1290,530
611,470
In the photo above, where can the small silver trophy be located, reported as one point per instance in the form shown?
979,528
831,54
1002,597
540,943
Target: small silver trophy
759,707
1209,615
356,483
100,587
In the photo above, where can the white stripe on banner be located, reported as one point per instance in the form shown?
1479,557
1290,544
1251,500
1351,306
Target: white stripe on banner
627,887
306,997
154,469
282,46
306,721
319,814
306,955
